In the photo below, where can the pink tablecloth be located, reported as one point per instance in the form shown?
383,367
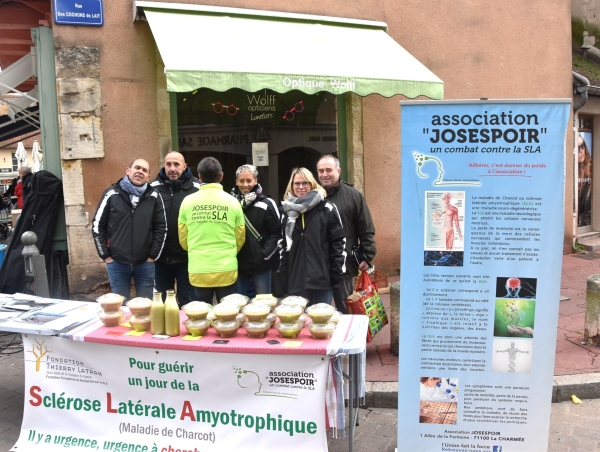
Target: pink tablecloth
304,344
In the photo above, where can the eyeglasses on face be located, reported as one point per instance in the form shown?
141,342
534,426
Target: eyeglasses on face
302,184
219,108
289,115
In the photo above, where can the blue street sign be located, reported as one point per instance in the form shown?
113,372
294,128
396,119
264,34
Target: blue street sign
79,12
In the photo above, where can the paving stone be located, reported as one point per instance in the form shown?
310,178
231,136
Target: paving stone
381,418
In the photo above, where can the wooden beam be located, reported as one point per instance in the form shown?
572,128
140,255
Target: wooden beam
27,42
42,7
22,26
13,52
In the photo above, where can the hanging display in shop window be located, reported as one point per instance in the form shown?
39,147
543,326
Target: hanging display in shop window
584,179
235,106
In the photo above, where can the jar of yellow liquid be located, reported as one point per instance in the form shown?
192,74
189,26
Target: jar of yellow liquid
172,323
157,314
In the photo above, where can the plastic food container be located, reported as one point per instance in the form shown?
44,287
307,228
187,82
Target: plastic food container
294,299
267,299
140,307
335,318
321,331
289,330
140,323
271,318
111,318
257,329
256,312
111,302
196,310
226,329
288,313
226,312
197,327
320,313
238,299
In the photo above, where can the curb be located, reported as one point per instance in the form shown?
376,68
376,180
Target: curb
584,386
384,394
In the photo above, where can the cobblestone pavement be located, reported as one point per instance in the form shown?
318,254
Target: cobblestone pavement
573,428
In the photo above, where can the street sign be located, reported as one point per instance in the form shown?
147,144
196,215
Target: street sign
79,12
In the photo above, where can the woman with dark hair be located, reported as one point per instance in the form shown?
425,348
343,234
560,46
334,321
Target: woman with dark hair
263,231
584,185
313,258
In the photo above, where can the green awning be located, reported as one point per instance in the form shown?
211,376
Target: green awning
222,48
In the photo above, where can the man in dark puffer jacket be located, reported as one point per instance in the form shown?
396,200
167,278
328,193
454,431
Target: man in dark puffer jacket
129,231
357,221
174,182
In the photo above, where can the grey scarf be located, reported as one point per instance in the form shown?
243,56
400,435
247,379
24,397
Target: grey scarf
294,206
134,192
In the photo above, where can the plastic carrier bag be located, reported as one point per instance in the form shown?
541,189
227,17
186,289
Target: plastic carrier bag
365,300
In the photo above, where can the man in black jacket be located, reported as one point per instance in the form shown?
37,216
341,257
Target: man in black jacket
129,231
174,182
357,222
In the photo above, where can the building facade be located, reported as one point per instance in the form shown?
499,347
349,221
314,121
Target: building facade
114,106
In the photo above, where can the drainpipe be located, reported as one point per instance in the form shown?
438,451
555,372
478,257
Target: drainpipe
582,86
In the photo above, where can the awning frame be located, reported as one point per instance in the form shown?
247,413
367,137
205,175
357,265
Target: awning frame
385,67
139,5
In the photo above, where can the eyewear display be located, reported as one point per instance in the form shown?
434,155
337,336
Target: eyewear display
219,108
289,115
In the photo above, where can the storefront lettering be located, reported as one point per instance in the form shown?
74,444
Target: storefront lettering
331,138
347,84
301,83
214,140
262,116
259,102
314,84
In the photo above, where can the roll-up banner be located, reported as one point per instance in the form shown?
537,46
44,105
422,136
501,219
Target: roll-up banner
481,253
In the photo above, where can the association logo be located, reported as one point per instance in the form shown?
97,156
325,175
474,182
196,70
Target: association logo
57,367
39,351
247,379
421,160
497,449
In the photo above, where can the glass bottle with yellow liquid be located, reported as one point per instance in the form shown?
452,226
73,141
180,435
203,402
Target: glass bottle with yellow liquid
157,314
172,323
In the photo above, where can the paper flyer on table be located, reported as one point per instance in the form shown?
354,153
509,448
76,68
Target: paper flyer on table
482,240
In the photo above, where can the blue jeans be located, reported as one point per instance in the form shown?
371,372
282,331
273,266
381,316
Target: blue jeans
206,293
261,281
165,277
120,276
315,296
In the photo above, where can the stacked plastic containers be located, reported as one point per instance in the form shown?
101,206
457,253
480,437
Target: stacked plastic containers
111,314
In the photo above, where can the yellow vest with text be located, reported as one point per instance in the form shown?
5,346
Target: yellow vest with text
212,230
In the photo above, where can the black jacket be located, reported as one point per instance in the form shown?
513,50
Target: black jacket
128,235
357,221
26,186
317,259
173,192
255,256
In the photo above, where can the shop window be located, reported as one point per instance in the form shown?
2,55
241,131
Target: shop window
584,171
225,124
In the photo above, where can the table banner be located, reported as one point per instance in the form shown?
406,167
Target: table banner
85,396
482,240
